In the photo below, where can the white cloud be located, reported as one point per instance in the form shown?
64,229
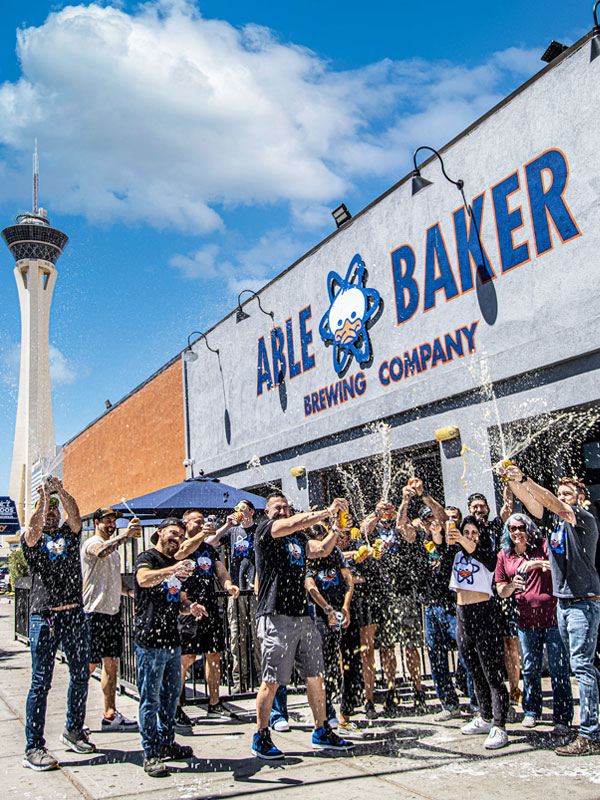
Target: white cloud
162,117
62,371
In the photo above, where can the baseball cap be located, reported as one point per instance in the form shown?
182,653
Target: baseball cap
165,524
105,511
425,512
476,496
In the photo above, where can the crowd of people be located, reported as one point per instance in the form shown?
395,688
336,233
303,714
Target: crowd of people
325,595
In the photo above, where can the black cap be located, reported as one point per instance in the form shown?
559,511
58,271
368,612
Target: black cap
106,511
477,496
165,524
425,512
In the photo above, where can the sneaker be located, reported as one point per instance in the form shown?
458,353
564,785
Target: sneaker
419,701
349,729
579,747
77,741
390,707
476,726
155,768
218,710
325,739
263,747
39,759
496,739
118,723
560,729
281,725
370,711
530,721
176,752
447,713
183,724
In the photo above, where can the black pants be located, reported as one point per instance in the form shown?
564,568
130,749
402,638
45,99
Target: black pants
350,680
480,643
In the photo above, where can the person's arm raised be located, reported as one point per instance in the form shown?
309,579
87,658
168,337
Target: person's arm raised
299,522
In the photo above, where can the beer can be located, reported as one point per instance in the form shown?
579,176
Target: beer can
506,463
343,519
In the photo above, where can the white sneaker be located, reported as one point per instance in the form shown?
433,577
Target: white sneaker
447,713
281,726
119,723
476,726
529,721
496,738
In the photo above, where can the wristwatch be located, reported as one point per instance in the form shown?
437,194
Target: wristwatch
524,477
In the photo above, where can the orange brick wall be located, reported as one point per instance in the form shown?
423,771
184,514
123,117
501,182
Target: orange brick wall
137,447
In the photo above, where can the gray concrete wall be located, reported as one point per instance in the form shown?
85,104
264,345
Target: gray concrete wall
546,307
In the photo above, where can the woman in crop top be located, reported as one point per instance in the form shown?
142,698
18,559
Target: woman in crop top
479,628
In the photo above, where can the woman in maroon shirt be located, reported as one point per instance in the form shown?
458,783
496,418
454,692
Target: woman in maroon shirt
523,569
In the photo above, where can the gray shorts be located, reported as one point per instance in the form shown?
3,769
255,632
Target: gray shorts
288,641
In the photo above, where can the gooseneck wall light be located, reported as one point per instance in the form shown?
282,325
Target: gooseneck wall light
419,183
595,46
188,353
241,315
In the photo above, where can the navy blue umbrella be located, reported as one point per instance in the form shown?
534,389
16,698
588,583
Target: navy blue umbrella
207,494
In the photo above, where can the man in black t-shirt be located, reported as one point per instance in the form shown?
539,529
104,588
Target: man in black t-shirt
286,631
205,636
56,618
159,598
572,536
237,534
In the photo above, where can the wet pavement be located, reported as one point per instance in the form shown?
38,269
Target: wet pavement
406,758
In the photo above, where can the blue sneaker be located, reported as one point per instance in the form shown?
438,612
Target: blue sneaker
325,739
263,747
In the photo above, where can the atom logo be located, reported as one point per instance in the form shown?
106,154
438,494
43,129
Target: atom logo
351,306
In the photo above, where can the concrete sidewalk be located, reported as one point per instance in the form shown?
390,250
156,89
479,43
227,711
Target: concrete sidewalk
413,757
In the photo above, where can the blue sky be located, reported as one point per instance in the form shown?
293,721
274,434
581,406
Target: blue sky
192,149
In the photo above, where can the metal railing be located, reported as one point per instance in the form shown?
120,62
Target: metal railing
196,688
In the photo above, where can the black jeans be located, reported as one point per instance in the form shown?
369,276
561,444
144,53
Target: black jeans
481,645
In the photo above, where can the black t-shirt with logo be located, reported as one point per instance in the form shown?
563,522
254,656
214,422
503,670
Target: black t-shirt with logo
572,553
327,573
200,587
402,563
55,565
281,568
240,542
157,607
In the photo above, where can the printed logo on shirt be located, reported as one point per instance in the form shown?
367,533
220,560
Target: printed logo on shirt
173,588
465,570
205,564
328,578
56,548
557,538
389,540
242,547
296,553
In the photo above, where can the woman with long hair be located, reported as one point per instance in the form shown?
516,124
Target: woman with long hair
523,569
479,628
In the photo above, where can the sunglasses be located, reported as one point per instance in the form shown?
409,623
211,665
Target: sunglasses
513,528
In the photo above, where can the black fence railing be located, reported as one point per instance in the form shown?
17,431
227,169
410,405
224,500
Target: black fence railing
239,668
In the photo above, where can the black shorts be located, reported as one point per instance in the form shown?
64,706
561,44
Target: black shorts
365,610
106,636
206,635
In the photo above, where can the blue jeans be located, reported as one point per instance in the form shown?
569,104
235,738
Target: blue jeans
46,632
159,685
440,635
279,710
532,644
578,625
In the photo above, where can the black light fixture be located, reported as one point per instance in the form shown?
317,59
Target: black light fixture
341,215
595,46
188,353
241,315
553,50
419,182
